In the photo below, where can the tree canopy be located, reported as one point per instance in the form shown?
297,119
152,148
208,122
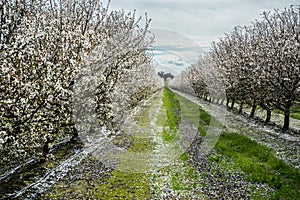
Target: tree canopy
165,76
257,65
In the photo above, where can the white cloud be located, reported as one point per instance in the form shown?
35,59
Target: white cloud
201,17
196,23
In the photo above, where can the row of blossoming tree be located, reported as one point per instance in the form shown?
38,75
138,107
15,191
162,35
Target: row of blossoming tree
49,47
257,65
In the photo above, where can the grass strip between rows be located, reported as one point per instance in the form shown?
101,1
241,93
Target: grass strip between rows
257,161
260,165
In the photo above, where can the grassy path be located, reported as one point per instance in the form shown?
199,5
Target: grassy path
177,150
248,146
286,146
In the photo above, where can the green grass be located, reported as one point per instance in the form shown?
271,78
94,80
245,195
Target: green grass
257,161
295,116
171,112
61,191
294,112
140,144
183,178
193,112
124,185
115,185
161,118
196,115
169,135
75,189
183,175
172,106
260,165
143,117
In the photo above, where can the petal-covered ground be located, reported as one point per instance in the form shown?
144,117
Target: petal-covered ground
174,146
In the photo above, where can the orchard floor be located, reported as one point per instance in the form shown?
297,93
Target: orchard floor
285,144
153,159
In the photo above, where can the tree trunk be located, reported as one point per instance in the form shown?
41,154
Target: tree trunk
227,102
74,134
253,111
46,149
268,118
232,104
287,110
286,124
241,107
214,100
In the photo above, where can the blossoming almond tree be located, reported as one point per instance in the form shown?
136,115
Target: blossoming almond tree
259,65
47,47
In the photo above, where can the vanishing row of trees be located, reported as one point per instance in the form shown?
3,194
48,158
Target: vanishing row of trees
257,65
54,53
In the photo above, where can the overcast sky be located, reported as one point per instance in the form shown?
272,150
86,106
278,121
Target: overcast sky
197,21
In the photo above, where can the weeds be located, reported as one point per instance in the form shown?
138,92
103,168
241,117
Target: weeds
260,165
